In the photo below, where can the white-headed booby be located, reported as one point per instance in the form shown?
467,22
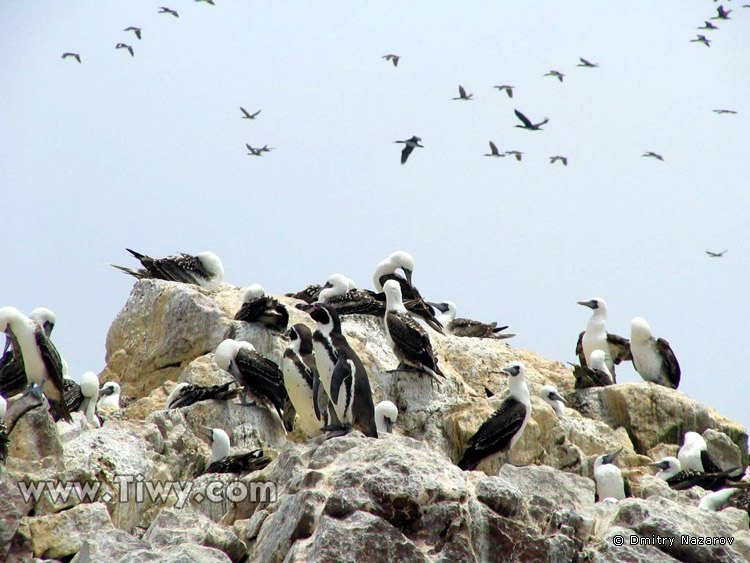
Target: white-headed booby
347,300
257,307
549,395
595,375
90,391
42,364
203,269
723,498
409,341
608,477
220,460
4,441
653,358
44,318
12,374
502,430
694,454
386,414
466,327
671,471
595,337
110,396
308,295
185,394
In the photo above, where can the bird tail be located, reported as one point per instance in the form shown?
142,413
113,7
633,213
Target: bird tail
138,255
127,270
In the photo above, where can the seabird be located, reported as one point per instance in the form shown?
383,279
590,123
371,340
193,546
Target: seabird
608,477
72,394
203,269
596,374
339,294
504,427
723,111
185,394
466,327
708,25
249,115
90,391
651,154
257,307
393,58
715,254
616,348
254,152
255,373
386,414
680,479
12,374
220,460
125,46
4,441
45,318
494,151
409,145
462,95
722,14
508,89
207,2
308,295
694,454
266,148
303,383
41,361
549,395
723,498
562,159
587,64
527,123
341,371
408,340
76,56
164,10
136,30
653,359
517,154
110,396
556,73
702,39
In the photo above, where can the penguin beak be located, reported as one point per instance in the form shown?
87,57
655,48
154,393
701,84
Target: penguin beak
388,425
408,275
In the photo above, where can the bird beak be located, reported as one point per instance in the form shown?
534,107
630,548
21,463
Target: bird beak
589,304
557,397
609,458
106,391
408,275
659,464
207,431
306,307
327,285
388,425
442,307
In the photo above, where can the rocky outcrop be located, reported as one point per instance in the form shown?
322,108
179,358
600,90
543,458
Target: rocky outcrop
400,497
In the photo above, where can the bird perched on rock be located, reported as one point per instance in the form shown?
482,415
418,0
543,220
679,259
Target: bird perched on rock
346,300
76,56
680,479
502,430
608,478
466,327
409,146
136,30
109,396
125,46
494,151
386,414
257,307
4,440
653,358
616,348
508,89
185,394
556,73
393,58
733,496
220,460
596,374
462,95
693,454
549,395
90,391
308,295
203,269
527,124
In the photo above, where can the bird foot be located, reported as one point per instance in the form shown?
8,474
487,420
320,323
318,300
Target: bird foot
336,431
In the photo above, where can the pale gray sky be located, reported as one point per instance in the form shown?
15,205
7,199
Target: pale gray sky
148,152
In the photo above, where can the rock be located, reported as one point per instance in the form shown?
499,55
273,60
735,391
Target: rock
108,545
12,510
723,450
35,443
631,549
185,553
502,497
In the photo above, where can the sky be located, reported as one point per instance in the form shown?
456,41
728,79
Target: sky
148,152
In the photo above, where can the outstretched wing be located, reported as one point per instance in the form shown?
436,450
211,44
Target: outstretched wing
523,118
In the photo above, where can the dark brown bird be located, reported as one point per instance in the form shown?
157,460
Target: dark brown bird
393,58
562,159
527,123
508,89
249,115
136,30
76,56
653,155
556,73
702,39
587,64
493,150
164,10
462,95
722,14
124,46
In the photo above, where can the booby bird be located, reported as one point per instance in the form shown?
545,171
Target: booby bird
203,269
254,372
207,2
517,154
409,341
708,25
125,46
72,394
722,14
257,307
693,454
651,154
136,30
680,479
341,371
715,254
608,477
466,327
186,394
563,159
90,392
76,56
616,348
723,498
462,95
508,89
527,124
494,151
44,318
164,10
409,145
248,115
596,374
266,148
220,460
386,414
41,361
4,441
393,58
110,396
587,64
253,151
724,111
556,73
653,358
549,395
702,39
339,294
309,295
303,384
504,427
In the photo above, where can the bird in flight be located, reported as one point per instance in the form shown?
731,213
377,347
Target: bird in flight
164,10
563,159
393,58
527,124
586,63
653,155
517,154
508,89
254,152
462,95
708,25
266,148
702,39
137,30
720,111
76,56
556,73
716,254
249,115
409,145
207,2
124,46
493,150
722,14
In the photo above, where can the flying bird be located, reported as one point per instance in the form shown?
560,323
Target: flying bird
702,39
527,123
517,154
136,30
266,148
409,146
76,56
249,115
653,155
722,14
585,63
253,152
164,10
721,111
125,46
207,2
556,73
715,254
708,25
508,89
462,95
204,269
494,151
563,159
393,58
